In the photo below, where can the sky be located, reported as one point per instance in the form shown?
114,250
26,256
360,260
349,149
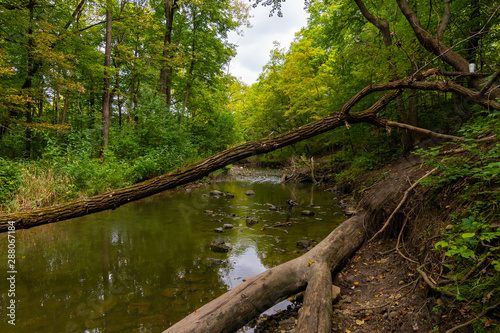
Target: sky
254,47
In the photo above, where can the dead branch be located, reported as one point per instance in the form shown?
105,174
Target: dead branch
311,167
277,225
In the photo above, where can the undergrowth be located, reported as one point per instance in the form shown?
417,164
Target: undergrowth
469,247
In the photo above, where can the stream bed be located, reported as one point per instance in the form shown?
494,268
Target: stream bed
146,265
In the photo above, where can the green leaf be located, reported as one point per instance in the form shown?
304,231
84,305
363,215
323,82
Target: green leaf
442,244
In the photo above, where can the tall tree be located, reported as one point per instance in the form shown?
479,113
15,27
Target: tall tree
106,105
167,67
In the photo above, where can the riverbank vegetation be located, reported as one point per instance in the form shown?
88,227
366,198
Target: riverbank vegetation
101,95
54,84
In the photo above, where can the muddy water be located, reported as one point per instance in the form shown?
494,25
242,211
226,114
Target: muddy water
144,266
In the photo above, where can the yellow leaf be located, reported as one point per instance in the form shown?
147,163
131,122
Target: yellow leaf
310,262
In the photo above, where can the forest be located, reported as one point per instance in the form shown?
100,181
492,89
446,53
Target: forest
132,97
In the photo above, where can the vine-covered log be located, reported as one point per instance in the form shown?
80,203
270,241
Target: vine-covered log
238,306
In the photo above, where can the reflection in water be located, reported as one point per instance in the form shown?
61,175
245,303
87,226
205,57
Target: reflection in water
143,266
246,264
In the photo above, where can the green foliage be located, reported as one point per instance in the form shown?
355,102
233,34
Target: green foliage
10,175
468,241
480,165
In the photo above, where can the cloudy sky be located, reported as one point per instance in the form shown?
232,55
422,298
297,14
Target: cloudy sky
255,45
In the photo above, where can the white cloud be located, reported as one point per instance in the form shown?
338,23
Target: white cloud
255,45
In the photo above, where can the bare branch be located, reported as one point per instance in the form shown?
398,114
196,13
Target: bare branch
77,10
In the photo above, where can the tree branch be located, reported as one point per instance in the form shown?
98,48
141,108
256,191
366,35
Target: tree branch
490,83
438,48
75,13
381,24
444,22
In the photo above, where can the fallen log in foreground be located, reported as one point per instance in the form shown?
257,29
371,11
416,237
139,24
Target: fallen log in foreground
312,271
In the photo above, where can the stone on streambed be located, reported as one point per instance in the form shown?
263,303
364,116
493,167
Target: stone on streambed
250,193
307,213
215,193
227,226
219,230
303,244
218,245
214,261
140,308
250,221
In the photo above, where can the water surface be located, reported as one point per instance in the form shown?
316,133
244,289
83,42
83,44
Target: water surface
142,267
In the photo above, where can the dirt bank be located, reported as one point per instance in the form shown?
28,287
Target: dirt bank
383,287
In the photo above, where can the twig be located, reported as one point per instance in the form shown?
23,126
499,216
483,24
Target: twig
286,224
311,167
479,264
473,319
405,196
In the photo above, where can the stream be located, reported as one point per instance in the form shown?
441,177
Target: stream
146,265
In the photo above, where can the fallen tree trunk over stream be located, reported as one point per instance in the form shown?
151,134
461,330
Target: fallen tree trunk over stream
312,271
116,198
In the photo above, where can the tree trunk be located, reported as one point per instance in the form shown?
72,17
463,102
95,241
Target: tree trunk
167,68
107,80
312,272
191,65
65,107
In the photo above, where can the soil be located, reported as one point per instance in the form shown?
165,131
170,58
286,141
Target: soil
381,292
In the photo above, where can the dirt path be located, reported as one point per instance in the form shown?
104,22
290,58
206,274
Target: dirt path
380,292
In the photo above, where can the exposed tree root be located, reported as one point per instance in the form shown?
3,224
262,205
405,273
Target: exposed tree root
431,284
386,224
485,311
